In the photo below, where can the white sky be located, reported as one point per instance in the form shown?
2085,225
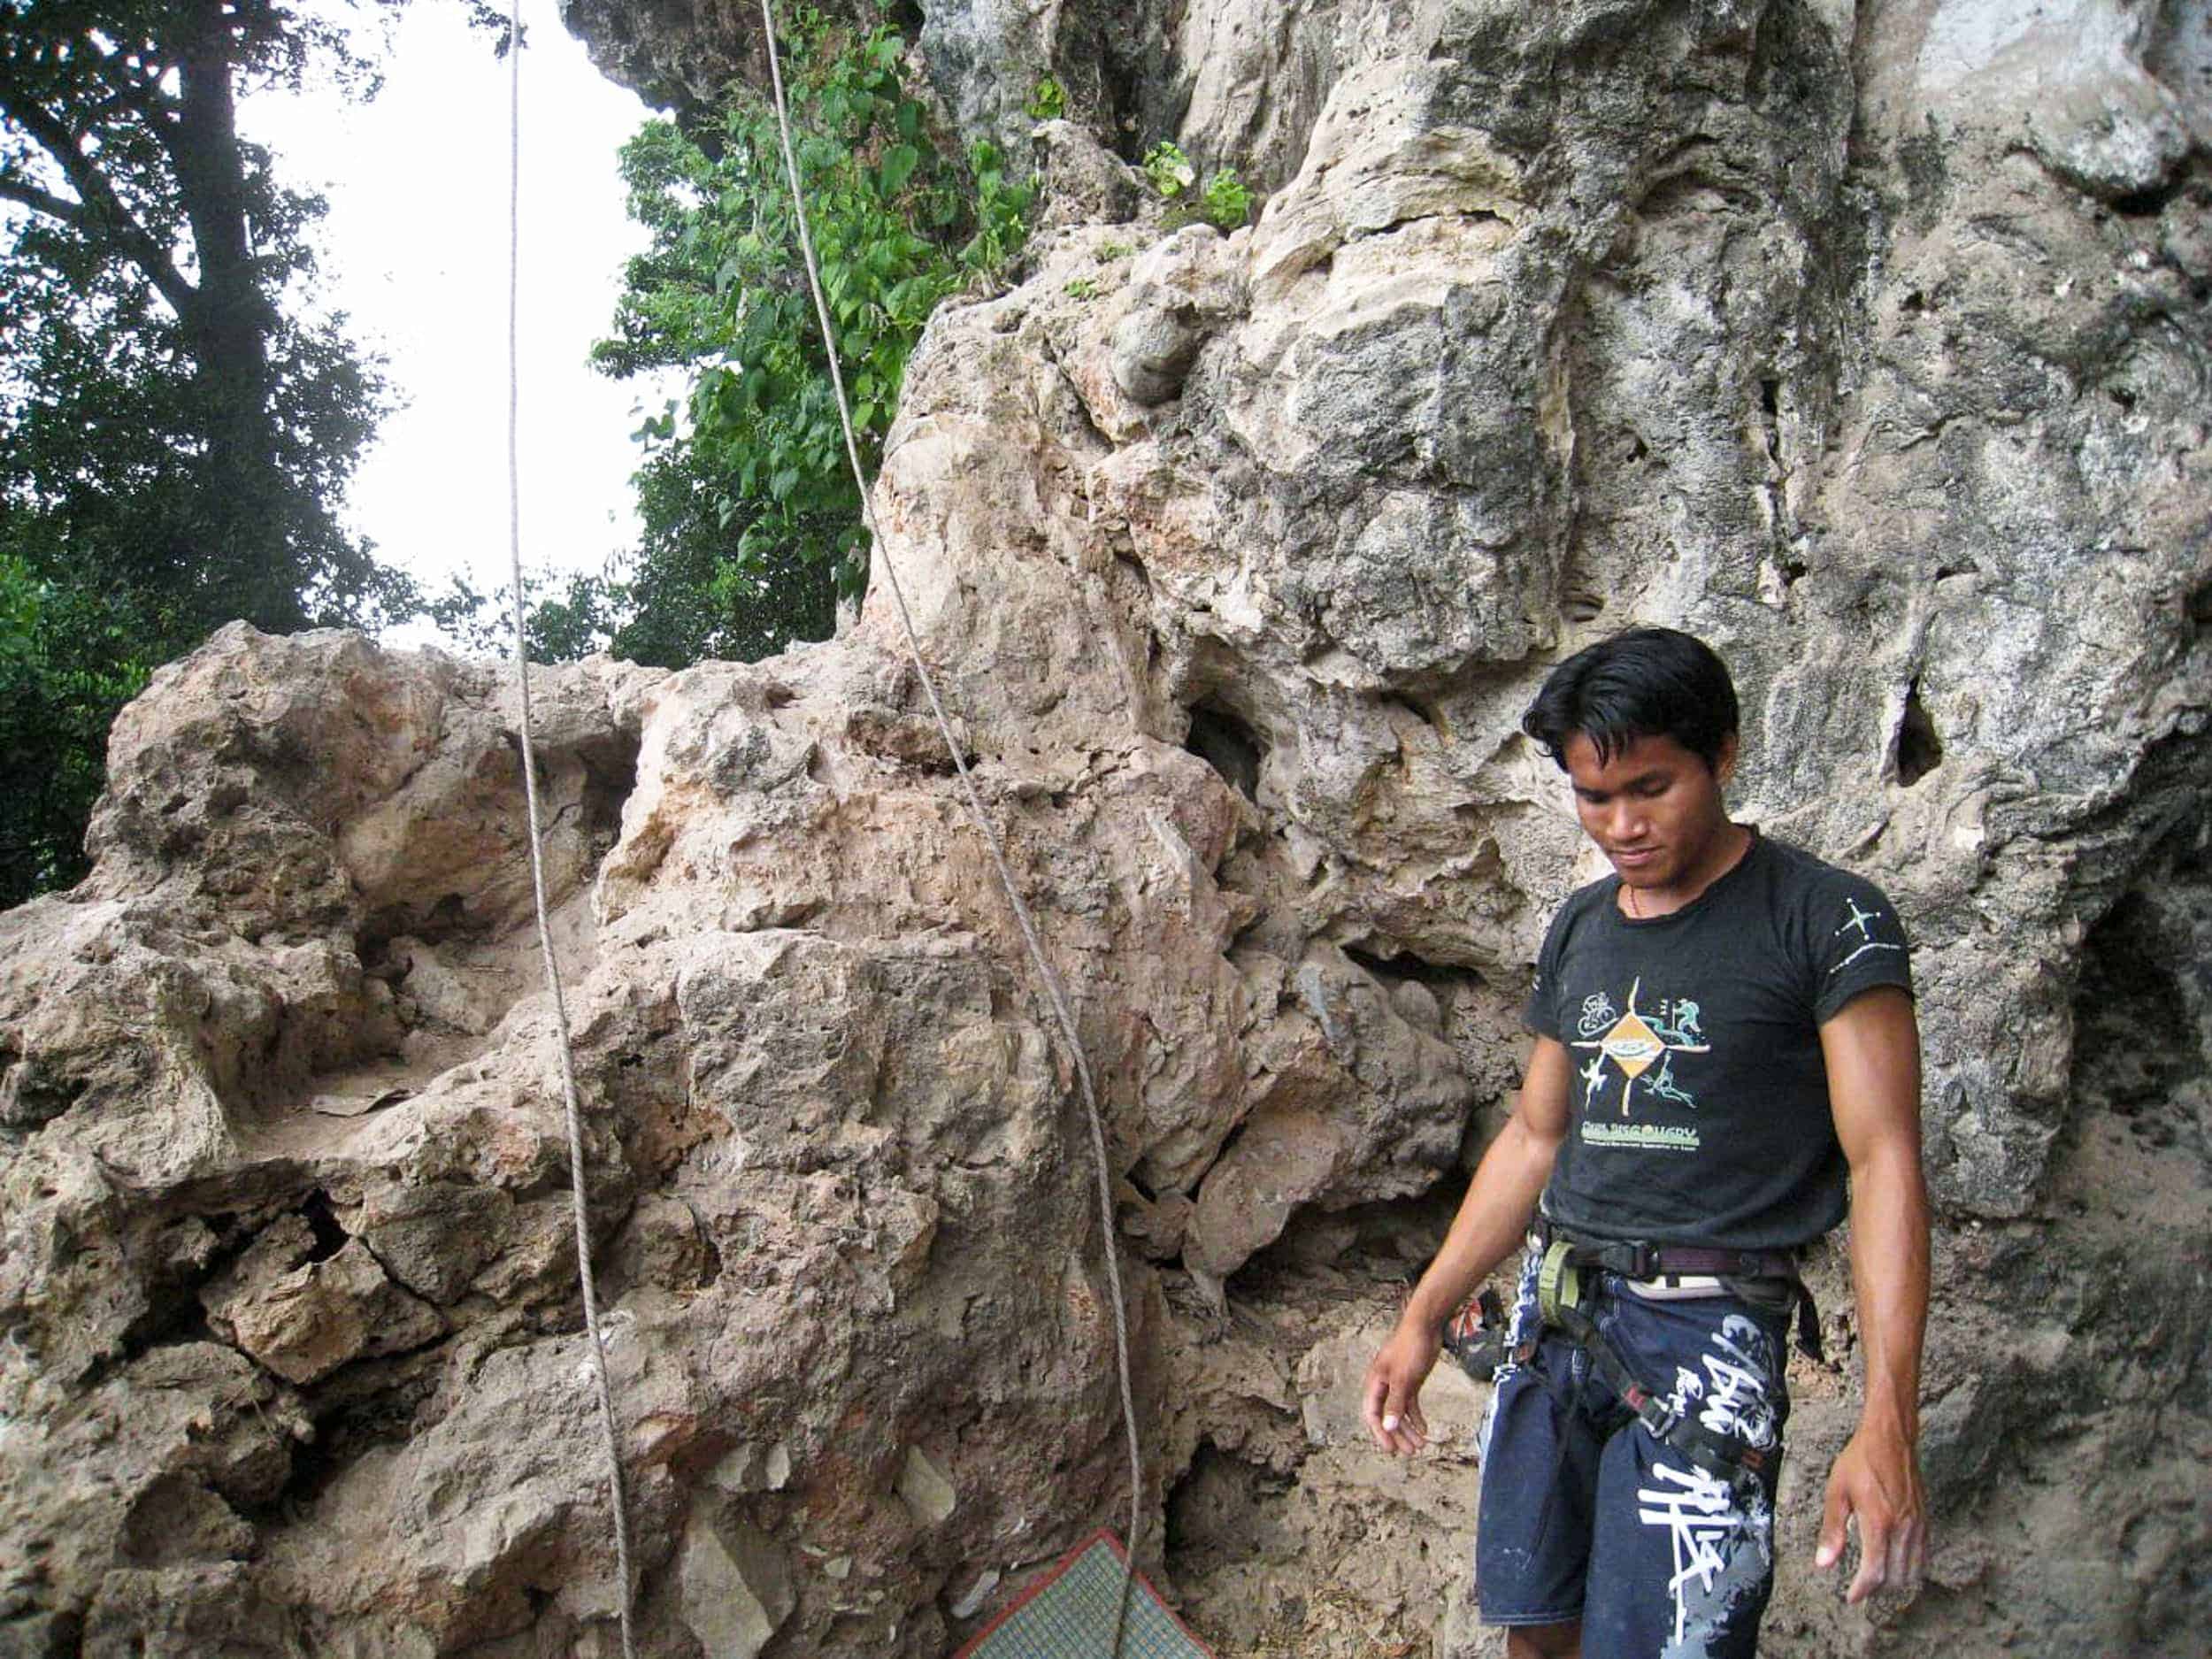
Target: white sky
414,249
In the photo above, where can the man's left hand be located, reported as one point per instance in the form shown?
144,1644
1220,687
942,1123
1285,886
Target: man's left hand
1877,1478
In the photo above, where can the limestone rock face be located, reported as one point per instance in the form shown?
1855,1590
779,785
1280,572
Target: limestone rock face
1870,341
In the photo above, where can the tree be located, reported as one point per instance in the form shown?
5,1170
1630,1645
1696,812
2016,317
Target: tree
677,601
66,663
752,525
175,435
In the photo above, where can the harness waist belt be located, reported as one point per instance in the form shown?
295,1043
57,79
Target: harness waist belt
1642,1259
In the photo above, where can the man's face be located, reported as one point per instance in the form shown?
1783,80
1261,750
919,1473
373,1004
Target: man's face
1654,809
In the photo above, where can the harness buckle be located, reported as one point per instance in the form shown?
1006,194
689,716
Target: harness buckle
1643,1260
1558,1285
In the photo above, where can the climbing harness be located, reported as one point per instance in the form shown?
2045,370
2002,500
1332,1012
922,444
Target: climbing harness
1051,980
1564,1305
1641,1260
537,850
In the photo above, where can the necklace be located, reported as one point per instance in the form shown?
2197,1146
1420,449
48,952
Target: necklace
1636,909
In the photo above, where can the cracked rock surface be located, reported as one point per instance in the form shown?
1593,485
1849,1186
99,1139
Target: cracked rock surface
1870,341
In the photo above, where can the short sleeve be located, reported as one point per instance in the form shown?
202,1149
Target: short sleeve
1858,942
1540,1014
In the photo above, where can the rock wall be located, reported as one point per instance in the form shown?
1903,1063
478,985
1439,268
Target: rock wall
1869,341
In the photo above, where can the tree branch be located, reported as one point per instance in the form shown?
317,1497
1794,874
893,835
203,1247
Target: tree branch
102,212
139,92
38,201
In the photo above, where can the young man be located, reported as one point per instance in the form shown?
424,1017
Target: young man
1726,1062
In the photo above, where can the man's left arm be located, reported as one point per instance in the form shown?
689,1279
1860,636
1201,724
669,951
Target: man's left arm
1871,1047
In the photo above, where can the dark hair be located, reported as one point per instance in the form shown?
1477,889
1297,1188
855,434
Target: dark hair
1646,683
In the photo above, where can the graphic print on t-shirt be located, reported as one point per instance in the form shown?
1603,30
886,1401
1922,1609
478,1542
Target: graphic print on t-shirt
1861,923
1696,1082
1641,1048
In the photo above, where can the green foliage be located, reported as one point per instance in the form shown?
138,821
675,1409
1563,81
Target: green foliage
678,599
564,629
752,522
1224,201
67,663
1228,203
176,427
685,597
1170,170
1047,102
1081,287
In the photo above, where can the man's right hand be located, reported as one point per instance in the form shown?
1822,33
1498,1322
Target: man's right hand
1392,1404
1490,1223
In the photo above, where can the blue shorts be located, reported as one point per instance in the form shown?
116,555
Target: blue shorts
1585,1516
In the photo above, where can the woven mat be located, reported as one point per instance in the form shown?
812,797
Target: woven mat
1069,1614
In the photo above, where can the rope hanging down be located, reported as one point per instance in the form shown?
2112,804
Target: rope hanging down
982,821
537,849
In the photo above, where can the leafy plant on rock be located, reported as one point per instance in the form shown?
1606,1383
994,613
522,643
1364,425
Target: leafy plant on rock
1048,101
1169,169
750,508
1228,200
1223,200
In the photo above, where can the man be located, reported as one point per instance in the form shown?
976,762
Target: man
1725,1061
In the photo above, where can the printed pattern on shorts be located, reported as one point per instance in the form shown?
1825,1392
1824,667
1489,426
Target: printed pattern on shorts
1586,1514
1722,1537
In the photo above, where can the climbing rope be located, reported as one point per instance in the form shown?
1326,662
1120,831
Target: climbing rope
982,821
537,848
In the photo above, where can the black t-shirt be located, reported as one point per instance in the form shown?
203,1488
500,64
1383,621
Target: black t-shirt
1699,1104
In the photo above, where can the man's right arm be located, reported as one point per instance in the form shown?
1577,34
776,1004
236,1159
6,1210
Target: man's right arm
1492,1221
